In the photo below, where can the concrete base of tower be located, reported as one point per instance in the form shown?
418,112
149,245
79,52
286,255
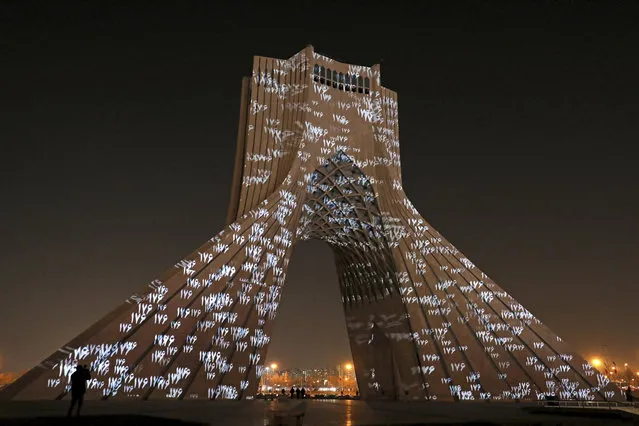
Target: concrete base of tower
319,412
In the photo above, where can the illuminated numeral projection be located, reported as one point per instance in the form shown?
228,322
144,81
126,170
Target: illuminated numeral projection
318,158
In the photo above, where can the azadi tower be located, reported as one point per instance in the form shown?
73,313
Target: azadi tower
318,157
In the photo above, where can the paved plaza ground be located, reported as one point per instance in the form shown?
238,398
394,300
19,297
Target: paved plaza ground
319,412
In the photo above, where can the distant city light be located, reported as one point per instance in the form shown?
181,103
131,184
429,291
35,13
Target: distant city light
596,362
349,366
273,366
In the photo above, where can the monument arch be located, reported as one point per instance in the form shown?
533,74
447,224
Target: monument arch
318,157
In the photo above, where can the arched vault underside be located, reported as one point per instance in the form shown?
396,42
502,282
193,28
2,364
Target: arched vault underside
318,157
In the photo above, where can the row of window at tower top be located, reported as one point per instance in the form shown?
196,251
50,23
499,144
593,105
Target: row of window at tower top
341,81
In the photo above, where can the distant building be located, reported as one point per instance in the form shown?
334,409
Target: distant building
8,378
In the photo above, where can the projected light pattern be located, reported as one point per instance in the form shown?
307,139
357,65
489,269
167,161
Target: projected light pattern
318,158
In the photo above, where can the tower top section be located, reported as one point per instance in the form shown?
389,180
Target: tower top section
342,75
300,112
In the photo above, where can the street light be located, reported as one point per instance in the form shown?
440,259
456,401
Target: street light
596,362
348,367
273,367
266,379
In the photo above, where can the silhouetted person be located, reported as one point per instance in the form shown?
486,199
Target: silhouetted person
292,392
303,392
282,396
297,393
79,380
629,394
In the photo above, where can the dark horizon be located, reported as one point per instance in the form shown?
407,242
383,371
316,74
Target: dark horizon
518,126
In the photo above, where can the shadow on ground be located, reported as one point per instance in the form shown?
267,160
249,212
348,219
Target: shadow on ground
98,421
564,416
319,413
602,416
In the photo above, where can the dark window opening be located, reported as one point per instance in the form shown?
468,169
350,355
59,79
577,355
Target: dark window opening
341,81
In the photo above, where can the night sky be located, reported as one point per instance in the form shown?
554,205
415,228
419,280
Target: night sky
118,121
